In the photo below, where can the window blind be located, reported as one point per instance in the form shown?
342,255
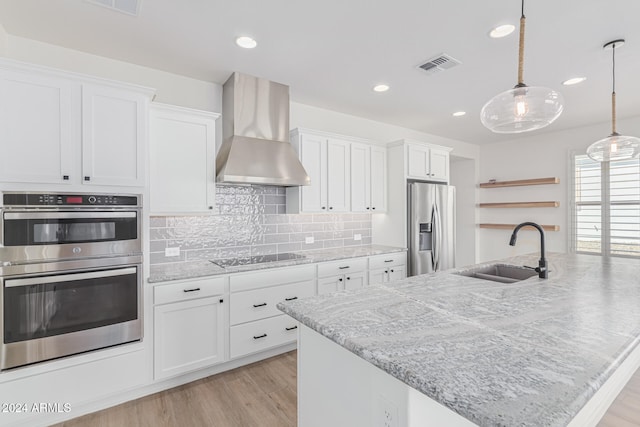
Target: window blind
607,207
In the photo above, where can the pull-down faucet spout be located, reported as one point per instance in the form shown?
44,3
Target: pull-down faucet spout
542,269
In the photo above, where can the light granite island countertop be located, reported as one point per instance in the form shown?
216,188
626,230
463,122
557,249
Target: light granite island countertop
530,353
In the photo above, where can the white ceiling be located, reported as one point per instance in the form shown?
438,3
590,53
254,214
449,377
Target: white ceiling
332,52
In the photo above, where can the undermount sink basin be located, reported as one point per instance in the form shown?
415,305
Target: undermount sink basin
503,273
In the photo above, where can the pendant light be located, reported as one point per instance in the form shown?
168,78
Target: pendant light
615,146
523,108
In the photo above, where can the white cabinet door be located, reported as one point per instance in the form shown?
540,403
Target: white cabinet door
418,161
114,126
377,276
378,174
355,280
360,178
338,176
188,335
327,285
38,138
397,272
439,165
313,155
182,160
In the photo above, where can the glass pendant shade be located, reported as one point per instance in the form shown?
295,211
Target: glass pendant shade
615,147
522,109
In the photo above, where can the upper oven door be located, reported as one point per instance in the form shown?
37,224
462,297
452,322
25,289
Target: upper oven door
38,235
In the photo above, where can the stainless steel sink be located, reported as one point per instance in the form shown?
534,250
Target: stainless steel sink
503,273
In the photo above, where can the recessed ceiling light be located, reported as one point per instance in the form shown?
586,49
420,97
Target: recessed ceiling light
574,81
459,113
501,31
246,42
380,88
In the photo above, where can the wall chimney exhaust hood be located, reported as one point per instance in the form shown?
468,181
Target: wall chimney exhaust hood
255,135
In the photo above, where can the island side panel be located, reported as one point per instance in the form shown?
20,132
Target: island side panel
338,388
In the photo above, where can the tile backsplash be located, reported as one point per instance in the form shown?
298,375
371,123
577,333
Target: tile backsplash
250,221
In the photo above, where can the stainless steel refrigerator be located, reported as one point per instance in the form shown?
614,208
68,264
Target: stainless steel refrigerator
431,227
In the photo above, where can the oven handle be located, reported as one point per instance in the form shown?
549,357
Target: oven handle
68,277
68,215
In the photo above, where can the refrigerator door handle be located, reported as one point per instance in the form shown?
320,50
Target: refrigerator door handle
435,253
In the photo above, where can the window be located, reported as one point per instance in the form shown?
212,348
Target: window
606,208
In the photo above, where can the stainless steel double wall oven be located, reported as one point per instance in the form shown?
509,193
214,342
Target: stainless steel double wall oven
71,274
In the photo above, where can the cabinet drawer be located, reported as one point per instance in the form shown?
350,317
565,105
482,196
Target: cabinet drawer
262,334
186,290
350,265
271,277
387,260
257,304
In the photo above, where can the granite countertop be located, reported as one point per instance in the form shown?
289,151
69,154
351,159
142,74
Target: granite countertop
530,353
192,269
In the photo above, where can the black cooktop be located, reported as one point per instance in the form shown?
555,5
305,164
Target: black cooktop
231,262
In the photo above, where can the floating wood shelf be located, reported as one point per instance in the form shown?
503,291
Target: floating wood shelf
520,205
536,181
512,226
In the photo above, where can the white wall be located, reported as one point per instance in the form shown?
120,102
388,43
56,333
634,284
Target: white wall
3,41
170,88
536,156
464,176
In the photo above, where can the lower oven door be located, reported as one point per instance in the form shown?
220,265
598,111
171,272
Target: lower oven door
67,312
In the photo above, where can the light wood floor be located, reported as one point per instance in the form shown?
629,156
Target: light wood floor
263,394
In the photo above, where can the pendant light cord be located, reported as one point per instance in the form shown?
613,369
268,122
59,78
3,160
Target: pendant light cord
613,93
521,50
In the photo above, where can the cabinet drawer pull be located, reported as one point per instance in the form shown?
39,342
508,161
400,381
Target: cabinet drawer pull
373,207
260,305
290,299
392,271
324,207
348,278
342,268
340,279
386,271
87,178
388,260
259,336
65,177
191,290
292,328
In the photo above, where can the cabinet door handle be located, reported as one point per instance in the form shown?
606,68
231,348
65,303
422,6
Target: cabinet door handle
392,271
386,271
191,290
221,300
260,305
340,279
210,207
373,208
65,177
292,328
388,260
259,336
290,299
348,278
87,178
330,207
342,268
324,207
367,207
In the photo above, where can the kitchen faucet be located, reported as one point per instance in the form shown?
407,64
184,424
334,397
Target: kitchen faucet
542,269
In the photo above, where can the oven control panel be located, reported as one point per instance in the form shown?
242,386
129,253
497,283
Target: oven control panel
47,199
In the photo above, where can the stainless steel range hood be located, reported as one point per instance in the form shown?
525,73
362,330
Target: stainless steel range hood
255,131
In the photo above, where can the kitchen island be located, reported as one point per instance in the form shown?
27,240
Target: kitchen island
447,349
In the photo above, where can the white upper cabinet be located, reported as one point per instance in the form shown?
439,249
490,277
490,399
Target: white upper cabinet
64,128
114,126
182,163
338,175
427,163
368,178
347,174
37,128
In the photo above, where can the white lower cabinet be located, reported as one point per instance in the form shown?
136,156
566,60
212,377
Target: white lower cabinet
256,322
189,326
341,275
388,267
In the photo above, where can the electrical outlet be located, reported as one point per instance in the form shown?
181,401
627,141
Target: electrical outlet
357,237
387,413
172,251
309,240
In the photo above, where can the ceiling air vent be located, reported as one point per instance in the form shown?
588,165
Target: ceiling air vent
439,63
130,7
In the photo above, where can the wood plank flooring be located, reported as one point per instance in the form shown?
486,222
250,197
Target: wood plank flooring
263,394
